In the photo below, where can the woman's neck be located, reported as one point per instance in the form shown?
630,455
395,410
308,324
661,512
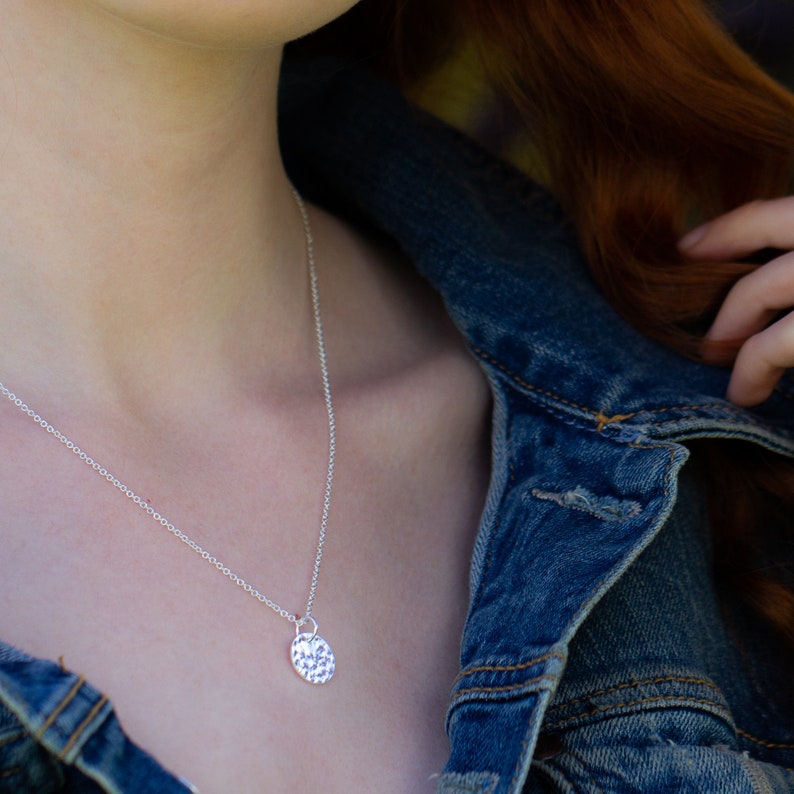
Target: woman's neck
147,233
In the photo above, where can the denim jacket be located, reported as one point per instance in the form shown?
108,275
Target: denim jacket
588,423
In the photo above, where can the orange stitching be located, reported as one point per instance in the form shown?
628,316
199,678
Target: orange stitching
529,386
82,726
723,407
511,688
629,684
603,420
616,706
606,420
14,770
770,745
63,704
737,420
512,668
659,445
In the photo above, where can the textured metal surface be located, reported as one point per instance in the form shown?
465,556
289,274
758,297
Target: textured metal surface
313,658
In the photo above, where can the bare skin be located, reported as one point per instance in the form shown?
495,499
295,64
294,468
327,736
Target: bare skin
154,285
750,316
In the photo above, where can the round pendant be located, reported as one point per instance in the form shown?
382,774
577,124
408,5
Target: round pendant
313,658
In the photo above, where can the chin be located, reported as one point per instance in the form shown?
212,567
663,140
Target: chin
227,24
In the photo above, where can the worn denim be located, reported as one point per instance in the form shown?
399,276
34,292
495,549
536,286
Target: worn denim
595,656
656,684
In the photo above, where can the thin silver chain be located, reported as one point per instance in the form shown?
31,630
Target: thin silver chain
161,519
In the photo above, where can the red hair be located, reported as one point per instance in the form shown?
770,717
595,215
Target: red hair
648,118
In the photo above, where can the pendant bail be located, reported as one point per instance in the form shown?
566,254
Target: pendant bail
301,622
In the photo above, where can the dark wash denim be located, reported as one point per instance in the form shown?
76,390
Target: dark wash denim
595,657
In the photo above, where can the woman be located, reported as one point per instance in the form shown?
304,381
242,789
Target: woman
159,315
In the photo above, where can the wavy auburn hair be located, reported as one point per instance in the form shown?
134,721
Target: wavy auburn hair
647,118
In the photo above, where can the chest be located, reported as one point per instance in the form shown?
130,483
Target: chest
199,671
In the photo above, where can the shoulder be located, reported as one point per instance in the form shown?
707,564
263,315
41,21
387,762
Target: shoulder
502,255
398,361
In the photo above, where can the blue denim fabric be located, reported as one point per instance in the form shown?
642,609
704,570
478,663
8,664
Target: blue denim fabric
651,696
57,733
589,417
592,641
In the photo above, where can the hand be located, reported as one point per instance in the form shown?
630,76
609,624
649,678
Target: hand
766,350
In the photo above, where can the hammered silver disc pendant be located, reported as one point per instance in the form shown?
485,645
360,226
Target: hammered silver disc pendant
312,656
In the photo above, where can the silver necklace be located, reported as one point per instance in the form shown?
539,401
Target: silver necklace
311,655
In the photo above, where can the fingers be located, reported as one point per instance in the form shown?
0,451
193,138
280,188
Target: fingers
761,361
749,228
743,321
755,300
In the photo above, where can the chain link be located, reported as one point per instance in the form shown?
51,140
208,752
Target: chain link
178,533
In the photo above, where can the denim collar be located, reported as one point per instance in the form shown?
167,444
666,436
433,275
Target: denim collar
587,411
503,256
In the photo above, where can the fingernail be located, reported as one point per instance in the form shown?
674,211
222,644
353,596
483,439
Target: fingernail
690,239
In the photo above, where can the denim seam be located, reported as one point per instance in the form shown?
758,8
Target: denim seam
14,770
697,407
603,420
466,787
507,688
736,416
462,785
509,668
769,745
629,685
638,445
520,763
606,710
70,696
81,728
737,419
529,386
518,768
524,761
488,561
760,784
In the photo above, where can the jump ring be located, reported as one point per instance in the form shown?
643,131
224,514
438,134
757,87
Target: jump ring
300,623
